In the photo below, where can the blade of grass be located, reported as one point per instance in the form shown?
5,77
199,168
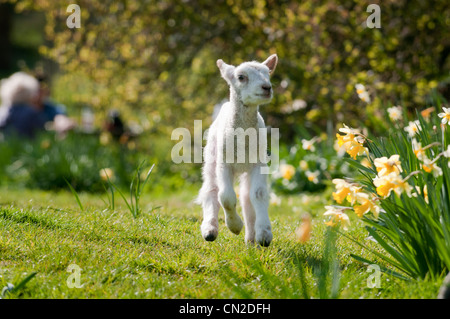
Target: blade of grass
75,194
18,287
382,268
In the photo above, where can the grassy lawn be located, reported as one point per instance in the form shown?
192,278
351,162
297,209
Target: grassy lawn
162,254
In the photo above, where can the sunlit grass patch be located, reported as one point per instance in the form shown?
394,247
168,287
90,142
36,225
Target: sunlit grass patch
162,255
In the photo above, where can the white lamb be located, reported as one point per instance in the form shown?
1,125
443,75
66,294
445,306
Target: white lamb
249,87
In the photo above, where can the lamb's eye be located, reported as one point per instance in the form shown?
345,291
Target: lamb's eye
241,77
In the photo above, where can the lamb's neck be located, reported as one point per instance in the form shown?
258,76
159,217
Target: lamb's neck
243,113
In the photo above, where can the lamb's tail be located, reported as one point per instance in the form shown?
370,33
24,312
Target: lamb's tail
209,188
199,199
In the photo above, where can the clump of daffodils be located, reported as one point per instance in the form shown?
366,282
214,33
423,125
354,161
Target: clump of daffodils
344,190
389,178
361,202
401,192
428,165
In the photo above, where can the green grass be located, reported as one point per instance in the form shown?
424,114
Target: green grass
162,254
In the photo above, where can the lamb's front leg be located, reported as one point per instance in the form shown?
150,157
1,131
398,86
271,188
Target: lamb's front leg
208,197
259,197
227,198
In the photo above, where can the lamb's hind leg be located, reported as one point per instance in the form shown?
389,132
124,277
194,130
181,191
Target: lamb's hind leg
247,209
227,198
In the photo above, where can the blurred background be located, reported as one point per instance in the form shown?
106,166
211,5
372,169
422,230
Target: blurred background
136,70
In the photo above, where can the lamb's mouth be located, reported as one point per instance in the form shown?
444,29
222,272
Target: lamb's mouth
266,96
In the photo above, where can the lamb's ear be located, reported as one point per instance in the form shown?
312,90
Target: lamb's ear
271,63
226,70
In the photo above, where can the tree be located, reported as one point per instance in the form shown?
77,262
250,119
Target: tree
156,59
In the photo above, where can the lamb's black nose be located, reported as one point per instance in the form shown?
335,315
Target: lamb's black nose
266,88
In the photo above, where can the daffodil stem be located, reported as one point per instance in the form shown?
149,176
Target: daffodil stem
365,137
342,207
411,175
437,157
431,145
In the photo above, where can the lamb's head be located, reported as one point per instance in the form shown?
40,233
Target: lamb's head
250,80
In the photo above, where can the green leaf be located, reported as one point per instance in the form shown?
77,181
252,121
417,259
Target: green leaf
75,194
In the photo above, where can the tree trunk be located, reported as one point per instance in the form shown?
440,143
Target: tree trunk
6,14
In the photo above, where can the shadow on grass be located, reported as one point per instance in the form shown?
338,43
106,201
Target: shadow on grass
302,273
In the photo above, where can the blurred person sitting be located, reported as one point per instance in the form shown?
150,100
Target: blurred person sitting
52,112
19,94
43,102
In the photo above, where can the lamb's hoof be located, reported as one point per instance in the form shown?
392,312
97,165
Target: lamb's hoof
209,232
210,237
265,242
264,238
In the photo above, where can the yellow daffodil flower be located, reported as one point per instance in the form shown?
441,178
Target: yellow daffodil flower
395,113
337,217
342,190
362,93
386,165
287,171
418,150
106,173
445,115
412,128
366,205
308,145
391,182
312,176
426,113
352,141
431,167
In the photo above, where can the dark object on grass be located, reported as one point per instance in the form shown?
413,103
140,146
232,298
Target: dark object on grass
115,125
